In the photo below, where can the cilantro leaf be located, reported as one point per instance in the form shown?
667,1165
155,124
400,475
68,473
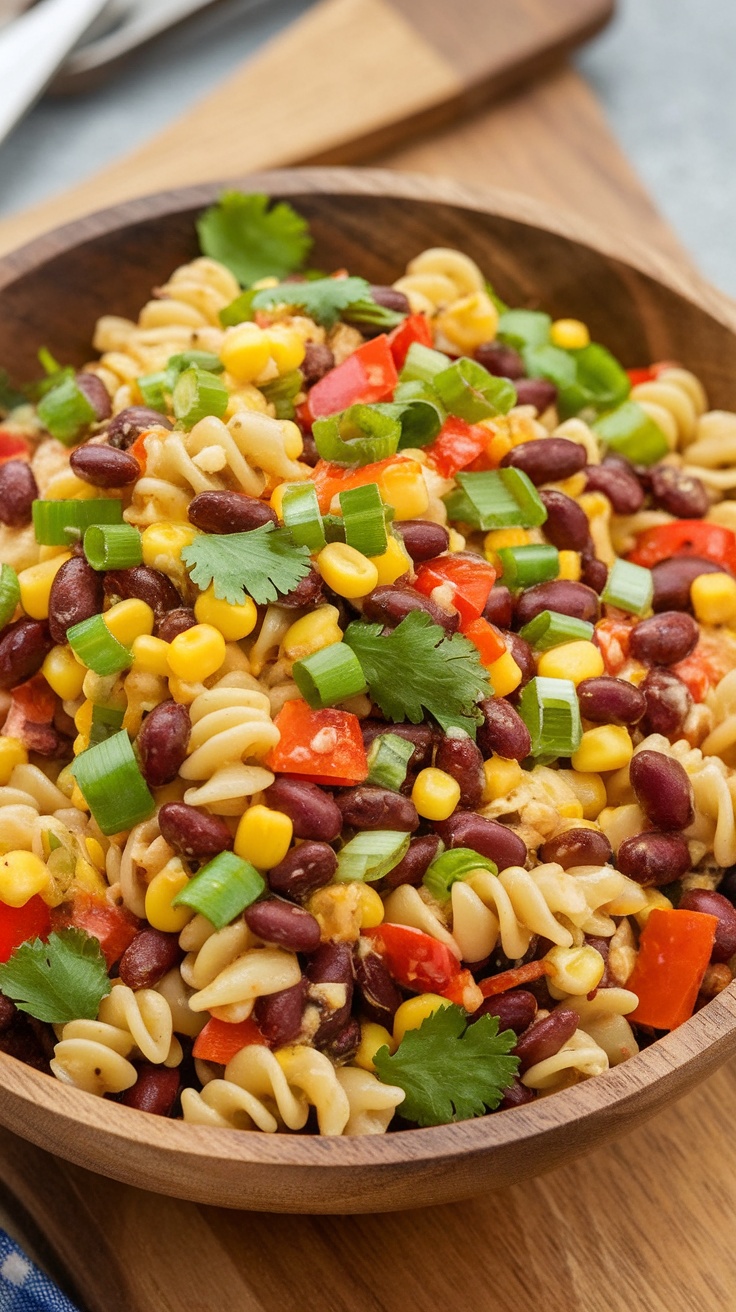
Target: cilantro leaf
322,299
264,561
64,979
450,1070
252,240
418,668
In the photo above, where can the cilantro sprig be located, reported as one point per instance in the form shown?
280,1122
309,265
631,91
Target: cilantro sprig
323,299
417,668
253,238
263,563
448,1069
58,981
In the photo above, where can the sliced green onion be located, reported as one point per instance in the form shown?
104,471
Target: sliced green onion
97,647
550,629
388,760
451,866
524,328
631,432
156,390
357,436
198,393
600,381
65,411
112,785
469,391
195,359
497,498
421,413
550,710
240,310
630,587
423,363
371,855
282,392
525,566
59,523
9,594
222,889
334,527
365,523
106,720
329,675
113,546
301,515
371,314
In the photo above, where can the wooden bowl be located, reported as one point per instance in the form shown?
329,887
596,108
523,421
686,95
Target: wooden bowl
372,222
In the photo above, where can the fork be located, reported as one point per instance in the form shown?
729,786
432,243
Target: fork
31,48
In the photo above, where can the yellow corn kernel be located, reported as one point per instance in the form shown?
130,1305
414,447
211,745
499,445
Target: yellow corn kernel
570,566
247,397
504,537
404,488
96,852
393,562
197,653
457,541
22,876
83,717
89,880
160,894
292,439
655,900
312,632
12,753
128,620
372,1037
245,352
277,499
35,585
63,673
77,798
263,836
572,810
570,334
370,906
435,794
162,543
67,487
234,621
606,747
575,971
594,504
502,777
469,321
573,486
572,660
504,675
410,1014
348,572
286,346
714,598
498,447
184,691
151,655
590,791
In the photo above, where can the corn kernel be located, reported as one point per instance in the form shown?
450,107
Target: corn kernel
83,717
150,655
410,1014
35,585
504,675
67,487
245,352
184,691
469,321
160,894
162,543
501,777
277,499
312,632
606,747
714,598
348,572
435,794
77,798
197,653
595,505
572,660
655,900
95,852
570,334
570,567
87,879
128,620
263,836
370,906
233,620
575,971
286,346
12,753
393,562
63,673
403,487
572,810
503,537
247,397
22,876
457,541
590,791
372,1037
292,439
498,447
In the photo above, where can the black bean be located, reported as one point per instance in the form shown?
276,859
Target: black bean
502,361
563,595
606,700
663,789
229,512
412,867
126,426
654,859
566,525
623,489
546,460
503,732
668,702
370,807
23,648
577,847
672,579
303,870
423,539
76,594
18,491
679,493
499,609
488,837
664,639
162,742
390,604
460,758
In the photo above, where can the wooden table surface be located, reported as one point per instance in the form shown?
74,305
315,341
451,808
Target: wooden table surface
643,1225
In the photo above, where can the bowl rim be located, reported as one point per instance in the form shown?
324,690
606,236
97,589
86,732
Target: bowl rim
678,1056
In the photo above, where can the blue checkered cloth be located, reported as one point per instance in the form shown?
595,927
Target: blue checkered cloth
23,1288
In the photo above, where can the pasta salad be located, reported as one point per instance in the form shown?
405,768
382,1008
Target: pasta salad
368,692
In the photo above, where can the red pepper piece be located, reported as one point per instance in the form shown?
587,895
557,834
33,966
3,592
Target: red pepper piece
457,446
219,1041
329,478
674,950
13,447
115,927
514,978
488,640
415,328
613,636
464,991
19,924
416,960
325,747
471,580
369,374
686,537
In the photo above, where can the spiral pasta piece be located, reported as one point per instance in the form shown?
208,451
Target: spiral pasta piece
675,399
372,1103
579,1058
230,722
146,1015
93,1056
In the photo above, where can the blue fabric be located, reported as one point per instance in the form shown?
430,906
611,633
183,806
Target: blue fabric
23,1288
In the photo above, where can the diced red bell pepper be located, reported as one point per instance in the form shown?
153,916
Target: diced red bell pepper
694,675
415,328
612,636
649,372
138,450
463,991
369,374
674,950
329,478
31,717
13,447
325,747
219,1041
470,578
686,537
457,446
19,924
415,959
115,927
488,640
514,978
